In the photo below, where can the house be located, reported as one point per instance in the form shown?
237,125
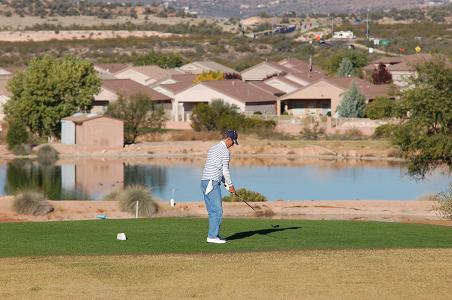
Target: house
324,96
283,84
343,35
5,95
292,69
402,68
145,75
112,89
198,67
108,71
247,97
175,84
92,131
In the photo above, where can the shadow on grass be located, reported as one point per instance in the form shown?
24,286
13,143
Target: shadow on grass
247,234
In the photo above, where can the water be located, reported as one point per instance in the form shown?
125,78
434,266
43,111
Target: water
287,180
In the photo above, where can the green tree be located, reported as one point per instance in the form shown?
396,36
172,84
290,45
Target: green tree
358,59
49,90
346,68
425,134
380,108
206,117
353,103
165,61
137,112
17,134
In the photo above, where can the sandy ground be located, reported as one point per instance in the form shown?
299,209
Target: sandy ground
249,147
391,211
312,274
40,36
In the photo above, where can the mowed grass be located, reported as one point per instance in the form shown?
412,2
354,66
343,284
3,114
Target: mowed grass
187,235
302,274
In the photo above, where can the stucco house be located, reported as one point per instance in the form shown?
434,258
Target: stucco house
248,98
291,68
112,89
283,84
108,71
197,67
323,97
5,95
402,68
92,131
146,75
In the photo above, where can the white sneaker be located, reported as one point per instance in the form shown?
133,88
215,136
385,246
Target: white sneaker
216,240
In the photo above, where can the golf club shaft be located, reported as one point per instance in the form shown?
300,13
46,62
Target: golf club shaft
244,201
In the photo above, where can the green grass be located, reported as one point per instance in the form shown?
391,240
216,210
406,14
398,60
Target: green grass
185,235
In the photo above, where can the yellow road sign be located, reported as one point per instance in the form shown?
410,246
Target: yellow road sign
418,49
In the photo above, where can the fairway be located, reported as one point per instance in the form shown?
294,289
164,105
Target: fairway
307,274
187,235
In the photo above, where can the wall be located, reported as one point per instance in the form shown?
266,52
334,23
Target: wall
100,133
269,108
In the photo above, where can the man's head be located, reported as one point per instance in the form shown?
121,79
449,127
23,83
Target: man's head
230,138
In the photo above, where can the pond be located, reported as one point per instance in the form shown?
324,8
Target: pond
91,179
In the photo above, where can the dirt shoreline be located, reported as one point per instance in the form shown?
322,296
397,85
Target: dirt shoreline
368,210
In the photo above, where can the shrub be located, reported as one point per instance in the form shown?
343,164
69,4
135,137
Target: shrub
246,195
380,108
47,155
353,103
443,203
32,203
129,196
17,135
313,133
220,116
381,75
385,131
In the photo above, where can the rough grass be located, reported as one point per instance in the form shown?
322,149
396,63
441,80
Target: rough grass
310,274
186,235
31,202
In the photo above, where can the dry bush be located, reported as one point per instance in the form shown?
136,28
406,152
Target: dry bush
443,204
181,135
247,195
128,198
47,155
32,203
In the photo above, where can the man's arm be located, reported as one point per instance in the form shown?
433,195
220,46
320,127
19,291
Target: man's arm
226,174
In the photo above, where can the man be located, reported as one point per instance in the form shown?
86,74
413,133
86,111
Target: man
216,172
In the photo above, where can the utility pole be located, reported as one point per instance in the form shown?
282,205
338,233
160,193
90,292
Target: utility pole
367,25
332,25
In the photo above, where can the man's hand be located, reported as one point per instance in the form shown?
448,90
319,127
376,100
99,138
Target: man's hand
231,189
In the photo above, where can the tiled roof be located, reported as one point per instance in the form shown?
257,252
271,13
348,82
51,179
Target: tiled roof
286,80
127,88
211,65
240,90
112,68
267,88
370,90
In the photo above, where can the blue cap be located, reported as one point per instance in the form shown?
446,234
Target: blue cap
232,135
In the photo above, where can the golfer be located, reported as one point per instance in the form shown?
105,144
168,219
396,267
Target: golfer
216,172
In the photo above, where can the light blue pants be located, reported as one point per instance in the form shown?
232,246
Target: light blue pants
213,206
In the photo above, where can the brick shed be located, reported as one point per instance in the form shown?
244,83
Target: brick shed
92,131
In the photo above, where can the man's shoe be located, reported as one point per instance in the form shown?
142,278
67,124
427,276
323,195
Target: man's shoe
216,240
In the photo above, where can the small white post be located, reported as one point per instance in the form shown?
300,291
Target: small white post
136,209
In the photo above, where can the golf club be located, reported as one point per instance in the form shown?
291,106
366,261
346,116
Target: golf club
241,199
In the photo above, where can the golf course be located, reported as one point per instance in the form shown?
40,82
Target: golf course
263,258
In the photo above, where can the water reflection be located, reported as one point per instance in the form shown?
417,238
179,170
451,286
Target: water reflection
275,178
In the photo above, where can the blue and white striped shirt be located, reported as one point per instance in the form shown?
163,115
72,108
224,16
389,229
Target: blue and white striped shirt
217,164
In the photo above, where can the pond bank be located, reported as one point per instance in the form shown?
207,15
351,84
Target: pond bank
369,210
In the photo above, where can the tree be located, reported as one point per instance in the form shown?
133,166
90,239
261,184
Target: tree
353,103
381,75
17,134
425,133
165,61
358,59
206,117
230,76
346,68
209,75
50,89
380,108
137,112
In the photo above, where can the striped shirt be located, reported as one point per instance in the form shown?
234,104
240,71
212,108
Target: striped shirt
217,164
